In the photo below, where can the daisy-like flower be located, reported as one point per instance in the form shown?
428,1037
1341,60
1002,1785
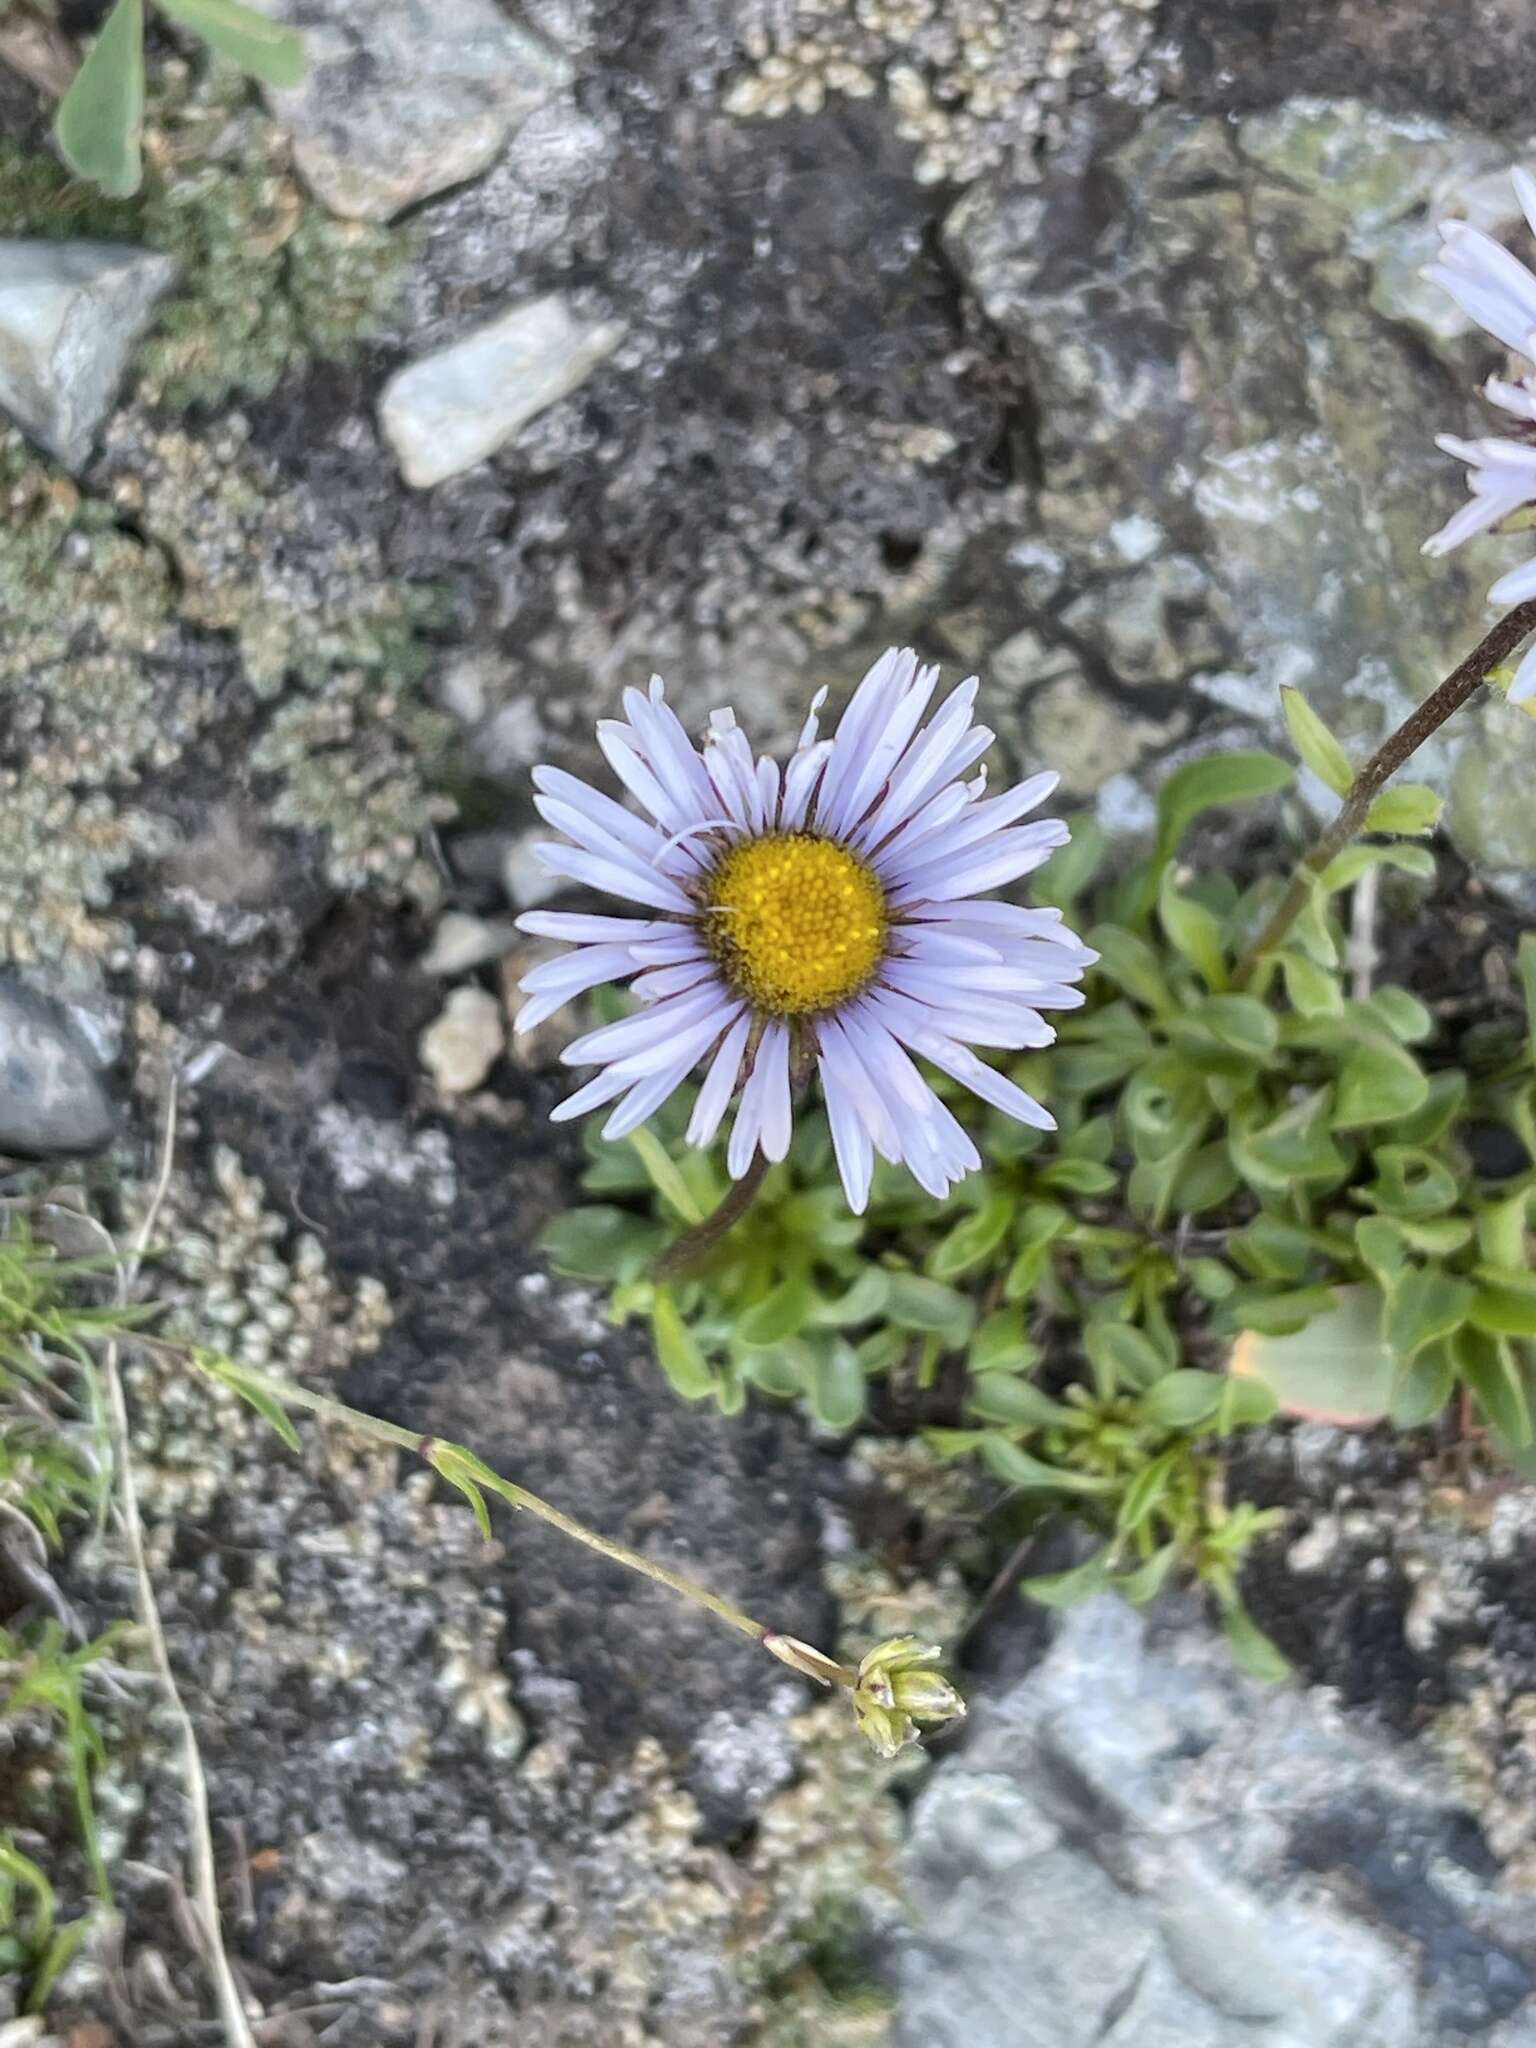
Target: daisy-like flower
1497,291
826,915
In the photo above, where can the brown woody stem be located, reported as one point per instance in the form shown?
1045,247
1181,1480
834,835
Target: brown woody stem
697,1243
1461,684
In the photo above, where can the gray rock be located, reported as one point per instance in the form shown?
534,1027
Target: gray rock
453,408
70,314
52,1102
403,101
1139,1846
1221,405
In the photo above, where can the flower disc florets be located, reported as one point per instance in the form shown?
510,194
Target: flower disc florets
828,915
797,923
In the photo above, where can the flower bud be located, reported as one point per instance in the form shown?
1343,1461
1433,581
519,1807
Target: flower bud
899,1690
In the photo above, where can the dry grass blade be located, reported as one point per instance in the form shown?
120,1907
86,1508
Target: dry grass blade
205,1896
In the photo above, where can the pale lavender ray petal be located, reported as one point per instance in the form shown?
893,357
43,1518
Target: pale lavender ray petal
660,982
920,774
800,781
581,928
617,742
592,1094
610,817
882,685
1516,587
630,879
850,1141
882,749
719,1083
647,1096
975,870
1525,192
648,1027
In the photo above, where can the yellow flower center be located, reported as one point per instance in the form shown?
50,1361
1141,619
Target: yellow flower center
797,923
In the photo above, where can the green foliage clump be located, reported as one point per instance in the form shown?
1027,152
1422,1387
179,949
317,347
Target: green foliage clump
268,279
55,1468
1245,1150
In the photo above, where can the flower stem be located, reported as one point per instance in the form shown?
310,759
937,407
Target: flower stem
1461,684
695,1244
464,1470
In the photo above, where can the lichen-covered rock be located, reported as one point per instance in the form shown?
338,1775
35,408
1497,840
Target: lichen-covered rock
52,1102
399,102
1141,1848
451,409
70,315
1194,305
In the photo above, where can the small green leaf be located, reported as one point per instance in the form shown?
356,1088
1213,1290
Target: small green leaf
101,116
1252,1650
1346,868
677,1350
1065,1589
1079,1176
1132,965
1410,1183
1207,1180
1424,1307
1182,1399
1245,1404
973,1239
1215,781
1241,1022
865,1300
458,1469
1488,1366
1146,1489
1422,1388
1193,931
1337,1368
1013,1403
266,1406
1315,743
1378,1083
1005,1461
601,1243
1405,1017
918,1303
954,1443
779,1315
1410,807
1313,990
1504,1311
265,50
1121,1356
664,1175
1002,1344
837,1386
1148,1579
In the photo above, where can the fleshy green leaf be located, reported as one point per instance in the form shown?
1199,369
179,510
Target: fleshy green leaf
1146,1489
265,50
677,1350
779,1315
1193,931
601,1243
1121,1356
101,117
664,1176
1424,1307
1252,1650
1346,868
1313,990
1148,1579
973,1239
1244,1405
1504,1311
1013,1403
1065,1589
1032,1475
1423,1387
1489,1368
1182,1399
837,1386
1315,743
1378,1083
1409,807
1338,1368
918,1303
1216,781
1002,1344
